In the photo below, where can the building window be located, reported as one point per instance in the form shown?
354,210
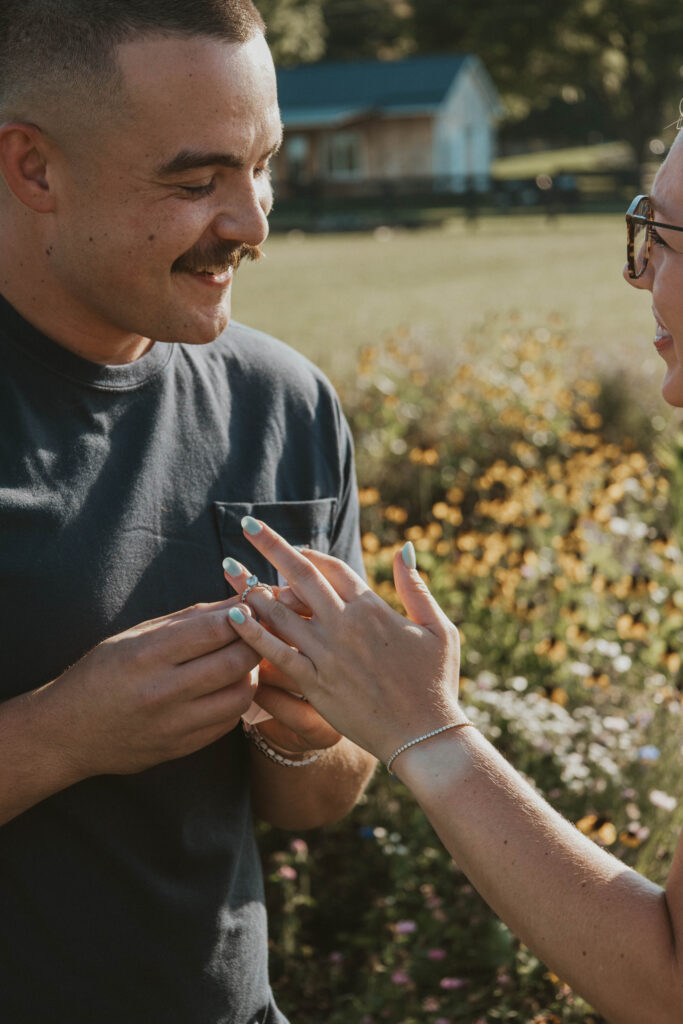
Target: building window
296,150
344,155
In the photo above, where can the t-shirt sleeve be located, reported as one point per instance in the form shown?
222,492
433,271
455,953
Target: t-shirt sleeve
345,540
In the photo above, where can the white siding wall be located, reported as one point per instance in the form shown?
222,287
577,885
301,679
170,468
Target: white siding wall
464,132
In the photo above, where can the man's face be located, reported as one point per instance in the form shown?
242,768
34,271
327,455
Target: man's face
153,212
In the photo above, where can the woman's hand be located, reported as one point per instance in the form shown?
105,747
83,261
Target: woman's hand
295,727
378,678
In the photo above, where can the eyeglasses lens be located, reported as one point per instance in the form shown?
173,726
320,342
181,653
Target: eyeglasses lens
641,237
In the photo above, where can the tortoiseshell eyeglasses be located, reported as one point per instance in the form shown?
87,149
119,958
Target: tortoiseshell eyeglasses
640,228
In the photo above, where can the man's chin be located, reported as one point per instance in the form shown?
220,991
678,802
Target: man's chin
195,328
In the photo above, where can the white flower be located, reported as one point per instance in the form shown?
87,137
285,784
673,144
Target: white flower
661,799
615,723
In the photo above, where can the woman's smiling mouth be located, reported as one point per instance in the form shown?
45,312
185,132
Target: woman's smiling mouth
663,338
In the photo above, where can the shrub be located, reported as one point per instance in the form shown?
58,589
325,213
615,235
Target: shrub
546,534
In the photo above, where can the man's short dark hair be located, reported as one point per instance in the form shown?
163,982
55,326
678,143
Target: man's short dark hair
50,45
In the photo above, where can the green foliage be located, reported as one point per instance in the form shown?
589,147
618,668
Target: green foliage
551,545
296,30
611,67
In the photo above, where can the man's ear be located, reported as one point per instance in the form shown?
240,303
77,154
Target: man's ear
24,165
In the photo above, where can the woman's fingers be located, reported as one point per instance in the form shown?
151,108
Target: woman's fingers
414,593
237,575
345,581
289,661
309,585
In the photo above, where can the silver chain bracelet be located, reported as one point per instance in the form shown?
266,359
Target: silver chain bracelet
252,733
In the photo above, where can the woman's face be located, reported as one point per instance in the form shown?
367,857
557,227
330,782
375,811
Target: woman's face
663,275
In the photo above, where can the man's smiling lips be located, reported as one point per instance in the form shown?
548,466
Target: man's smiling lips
205,277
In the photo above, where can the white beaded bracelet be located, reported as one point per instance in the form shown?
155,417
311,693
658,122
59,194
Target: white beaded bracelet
252,733
427,736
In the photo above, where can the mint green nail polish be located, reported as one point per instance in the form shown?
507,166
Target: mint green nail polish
232,567
237,616
251,525
408,555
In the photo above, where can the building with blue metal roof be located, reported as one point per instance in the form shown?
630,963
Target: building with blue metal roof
387,121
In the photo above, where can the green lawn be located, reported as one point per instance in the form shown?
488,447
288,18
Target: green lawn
607,156
329,295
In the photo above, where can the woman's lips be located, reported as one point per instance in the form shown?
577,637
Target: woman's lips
663,338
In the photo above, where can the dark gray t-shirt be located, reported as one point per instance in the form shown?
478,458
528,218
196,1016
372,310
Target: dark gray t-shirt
138,899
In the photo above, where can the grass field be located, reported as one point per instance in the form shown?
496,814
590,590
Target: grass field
329,295
607,156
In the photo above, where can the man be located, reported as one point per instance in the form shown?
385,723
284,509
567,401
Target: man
134,151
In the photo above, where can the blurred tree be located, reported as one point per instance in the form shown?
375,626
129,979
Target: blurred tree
614,64
368,28
296,30
628,54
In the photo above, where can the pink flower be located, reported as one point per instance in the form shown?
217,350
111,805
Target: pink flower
336,958
430,1004
299,847
400,978
436,954
405,927
287,872
452,983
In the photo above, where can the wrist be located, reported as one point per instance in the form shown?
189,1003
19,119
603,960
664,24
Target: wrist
278,754
433,769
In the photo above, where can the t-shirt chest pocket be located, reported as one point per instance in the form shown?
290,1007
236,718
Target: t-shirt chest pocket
302,523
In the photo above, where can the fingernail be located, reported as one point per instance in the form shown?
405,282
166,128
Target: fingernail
237,616
251,525
408,555
232,567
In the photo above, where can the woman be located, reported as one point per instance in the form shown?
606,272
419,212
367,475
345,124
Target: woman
391,685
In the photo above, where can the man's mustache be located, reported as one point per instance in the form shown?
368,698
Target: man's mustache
216,259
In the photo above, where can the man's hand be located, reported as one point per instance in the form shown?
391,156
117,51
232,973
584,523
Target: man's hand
158,691
295,726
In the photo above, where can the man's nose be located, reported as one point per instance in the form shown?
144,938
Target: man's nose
244,215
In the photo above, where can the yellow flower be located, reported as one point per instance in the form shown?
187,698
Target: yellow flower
368,496
395,514
370,543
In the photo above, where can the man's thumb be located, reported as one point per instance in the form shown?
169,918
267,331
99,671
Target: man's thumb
421,607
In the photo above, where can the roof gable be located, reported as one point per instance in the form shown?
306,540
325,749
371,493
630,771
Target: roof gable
357,86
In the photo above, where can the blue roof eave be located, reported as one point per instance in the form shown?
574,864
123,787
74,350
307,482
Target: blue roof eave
303,117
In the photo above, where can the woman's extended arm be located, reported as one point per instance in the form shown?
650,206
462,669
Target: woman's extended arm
384,680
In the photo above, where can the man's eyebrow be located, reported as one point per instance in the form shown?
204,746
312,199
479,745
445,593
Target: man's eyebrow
192,159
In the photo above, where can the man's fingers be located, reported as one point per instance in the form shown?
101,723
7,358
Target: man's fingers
290,662
309,585
218,669
224,705
271,675
193,635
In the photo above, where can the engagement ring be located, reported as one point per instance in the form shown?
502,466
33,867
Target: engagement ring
252,583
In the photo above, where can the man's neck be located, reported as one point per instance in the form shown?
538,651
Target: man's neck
55,315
